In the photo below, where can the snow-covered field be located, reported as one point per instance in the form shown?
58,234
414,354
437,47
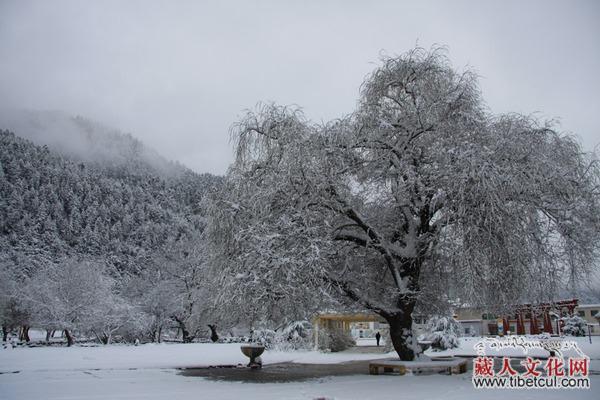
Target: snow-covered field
152,356
149,372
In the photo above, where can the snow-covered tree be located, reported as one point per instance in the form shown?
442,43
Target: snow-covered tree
74,295
574,325
109,315
421,188
16,267
443,332
13,314
183,271
154,293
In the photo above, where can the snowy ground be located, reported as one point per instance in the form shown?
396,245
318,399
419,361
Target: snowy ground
367,342
149,372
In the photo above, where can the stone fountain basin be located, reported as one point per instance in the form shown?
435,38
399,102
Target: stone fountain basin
252,351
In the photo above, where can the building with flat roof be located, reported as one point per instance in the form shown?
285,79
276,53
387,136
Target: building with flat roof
359,325
527,318
476,321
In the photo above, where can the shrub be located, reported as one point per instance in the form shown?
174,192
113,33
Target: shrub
294,336
574,326
335,340
297,335
265,337
324,340
443,333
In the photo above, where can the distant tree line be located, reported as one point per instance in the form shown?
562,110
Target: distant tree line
98,247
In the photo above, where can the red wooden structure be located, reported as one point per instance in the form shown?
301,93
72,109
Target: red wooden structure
537,313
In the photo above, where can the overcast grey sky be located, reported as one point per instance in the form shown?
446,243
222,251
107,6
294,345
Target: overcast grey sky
177,74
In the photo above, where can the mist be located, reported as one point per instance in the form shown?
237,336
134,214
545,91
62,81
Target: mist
176,75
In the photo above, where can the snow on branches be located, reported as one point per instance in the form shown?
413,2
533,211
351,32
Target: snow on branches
419,195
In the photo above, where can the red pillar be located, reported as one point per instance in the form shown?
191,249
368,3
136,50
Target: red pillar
533,327
547,322
520,324
505,325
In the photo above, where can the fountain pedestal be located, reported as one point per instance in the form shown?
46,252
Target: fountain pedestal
253,351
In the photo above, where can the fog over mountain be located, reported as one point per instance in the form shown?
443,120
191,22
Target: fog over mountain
76,188
177,75
82,139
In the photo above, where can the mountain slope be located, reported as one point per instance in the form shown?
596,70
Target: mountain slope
112,198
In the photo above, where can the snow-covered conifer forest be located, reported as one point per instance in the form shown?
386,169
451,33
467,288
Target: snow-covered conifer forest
102,239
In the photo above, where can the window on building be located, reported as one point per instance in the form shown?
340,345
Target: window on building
593,313
581,313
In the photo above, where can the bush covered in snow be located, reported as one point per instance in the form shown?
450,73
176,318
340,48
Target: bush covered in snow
442,332
293,336
265,337
324,340
335,340
574,326
298,335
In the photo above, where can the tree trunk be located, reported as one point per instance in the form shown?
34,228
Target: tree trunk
69,337
159,334
213,333
48,335
97,336
185,334
401,330
24,333
4,333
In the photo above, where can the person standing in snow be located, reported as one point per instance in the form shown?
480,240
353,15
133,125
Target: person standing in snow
377,337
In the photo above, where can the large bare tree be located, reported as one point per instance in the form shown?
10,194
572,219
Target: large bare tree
421,189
